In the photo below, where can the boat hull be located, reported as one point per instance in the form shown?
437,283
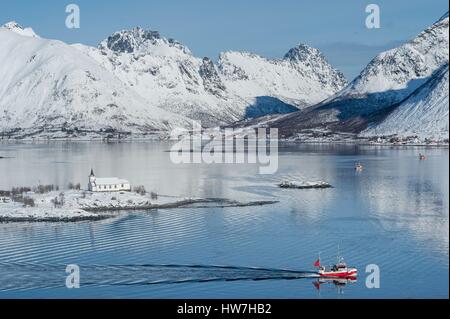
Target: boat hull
351,272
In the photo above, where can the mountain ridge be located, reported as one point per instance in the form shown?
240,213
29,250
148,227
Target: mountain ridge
424,113
135,80
138,81
387,80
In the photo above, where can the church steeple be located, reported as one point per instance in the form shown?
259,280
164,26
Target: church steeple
92,177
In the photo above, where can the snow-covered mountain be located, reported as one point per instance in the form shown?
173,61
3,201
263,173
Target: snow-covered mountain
139,81
47,85
302,78
424,113
394,74
17,28
168,75
386,81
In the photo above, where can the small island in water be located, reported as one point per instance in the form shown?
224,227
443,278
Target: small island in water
104,198
304,184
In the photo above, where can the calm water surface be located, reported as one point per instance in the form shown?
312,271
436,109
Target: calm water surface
394,214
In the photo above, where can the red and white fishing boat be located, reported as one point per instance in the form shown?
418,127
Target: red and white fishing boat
339,270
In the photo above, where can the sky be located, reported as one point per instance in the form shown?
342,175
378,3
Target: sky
268,28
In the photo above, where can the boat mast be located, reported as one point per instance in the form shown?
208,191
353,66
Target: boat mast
339,258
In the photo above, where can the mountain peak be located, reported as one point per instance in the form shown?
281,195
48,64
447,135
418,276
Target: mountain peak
138,39
303,52
17,28
406,67
304,58
12,25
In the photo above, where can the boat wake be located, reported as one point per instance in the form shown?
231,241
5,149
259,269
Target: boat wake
33,276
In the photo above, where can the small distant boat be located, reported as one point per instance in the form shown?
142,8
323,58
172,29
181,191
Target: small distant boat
422,157
339,270
359,167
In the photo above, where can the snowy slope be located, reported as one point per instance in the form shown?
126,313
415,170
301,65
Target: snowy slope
393,75
303,77
166,74
387,80
17,28
169,76
49,85
396,73
138,81
423,114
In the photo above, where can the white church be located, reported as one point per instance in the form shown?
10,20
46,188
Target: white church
107,184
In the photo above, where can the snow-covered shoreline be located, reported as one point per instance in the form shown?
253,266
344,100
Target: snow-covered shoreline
78,205
300,139
320,136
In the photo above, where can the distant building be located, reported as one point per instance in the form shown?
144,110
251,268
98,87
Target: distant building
4,199
107,184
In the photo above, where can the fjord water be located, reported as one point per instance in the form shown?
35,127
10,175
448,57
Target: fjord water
394,214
